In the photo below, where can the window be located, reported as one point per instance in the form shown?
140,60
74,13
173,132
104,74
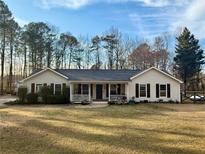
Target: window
38,87
113,89
81,89
85,89
163,90
142,90
57,89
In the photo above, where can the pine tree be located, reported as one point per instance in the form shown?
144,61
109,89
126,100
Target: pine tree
5,16
189,56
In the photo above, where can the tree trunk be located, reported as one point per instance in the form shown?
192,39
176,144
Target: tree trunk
2,61
11,64
25,62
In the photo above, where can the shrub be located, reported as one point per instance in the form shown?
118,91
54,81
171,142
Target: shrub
32,98
44,93
57,99
132,101
60,99
51,99
22,91
85,102
111,102
66,93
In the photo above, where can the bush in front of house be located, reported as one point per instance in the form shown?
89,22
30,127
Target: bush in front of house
66,93
112,102
57,99
32,98
85,102
22,91
44,93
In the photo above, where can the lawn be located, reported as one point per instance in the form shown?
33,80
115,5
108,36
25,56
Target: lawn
143,128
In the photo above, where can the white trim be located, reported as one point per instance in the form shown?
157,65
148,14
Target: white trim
97,82
42,71
158,71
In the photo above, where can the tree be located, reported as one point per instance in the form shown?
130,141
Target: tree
110,45
23,48
12,31
160,54
189,56
62,54
72,43
96,47
38,34
142,57
5,17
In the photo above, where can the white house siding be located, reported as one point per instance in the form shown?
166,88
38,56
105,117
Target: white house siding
47,77
154,77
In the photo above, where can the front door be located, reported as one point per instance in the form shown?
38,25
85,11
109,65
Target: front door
99,90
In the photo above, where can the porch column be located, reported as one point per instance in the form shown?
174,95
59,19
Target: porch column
89,92
71,92
109,92
127,90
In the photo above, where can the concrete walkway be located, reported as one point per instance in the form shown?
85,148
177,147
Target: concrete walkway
92,105
6,98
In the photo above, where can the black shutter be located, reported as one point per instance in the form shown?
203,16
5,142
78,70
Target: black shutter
118,89
157,90
33,88
137,90
107,90
64,86
148,90
52,88
79,88
168,91
91,89
64,89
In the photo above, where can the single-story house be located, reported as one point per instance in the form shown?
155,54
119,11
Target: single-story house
107,85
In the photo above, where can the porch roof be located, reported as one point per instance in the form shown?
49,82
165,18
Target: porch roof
97,75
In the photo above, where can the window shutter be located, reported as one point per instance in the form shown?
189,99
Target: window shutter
79,88
64,89
33,88
64,86
137,90
118,89
52,88
107,90
91,89
148,90
157,90
168,91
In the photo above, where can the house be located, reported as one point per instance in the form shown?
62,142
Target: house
107,85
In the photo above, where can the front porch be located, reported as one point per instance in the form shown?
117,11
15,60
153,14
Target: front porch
97,92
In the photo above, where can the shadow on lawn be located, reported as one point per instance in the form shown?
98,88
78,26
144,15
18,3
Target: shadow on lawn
148,143
133,139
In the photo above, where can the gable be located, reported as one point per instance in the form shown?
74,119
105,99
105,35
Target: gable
155,74
45,75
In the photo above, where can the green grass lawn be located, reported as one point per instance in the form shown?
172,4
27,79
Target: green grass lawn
144,128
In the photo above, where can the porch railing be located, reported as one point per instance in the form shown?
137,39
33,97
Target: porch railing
116,97
80,97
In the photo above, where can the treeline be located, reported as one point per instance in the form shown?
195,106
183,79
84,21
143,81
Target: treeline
38,45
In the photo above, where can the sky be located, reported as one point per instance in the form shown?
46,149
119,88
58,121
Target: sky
143,19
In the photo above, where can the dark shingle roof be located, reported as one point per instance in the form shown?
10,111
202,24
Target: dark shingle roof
97,75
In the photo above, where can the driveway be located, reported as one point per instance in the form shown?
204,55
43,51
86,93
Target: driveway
6,98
